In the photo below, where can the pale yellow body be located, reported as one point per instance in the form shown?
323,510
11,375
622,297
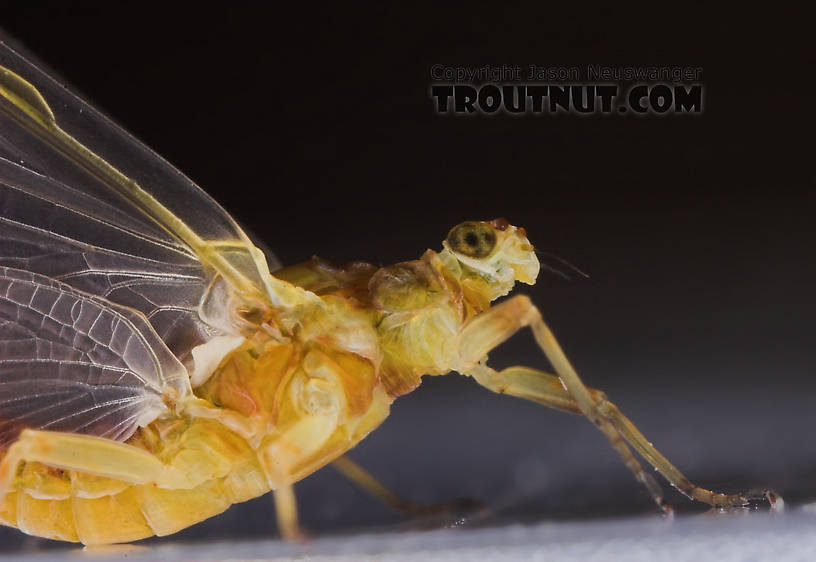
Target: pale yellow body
321,354
307,361
220,466
274,410
278,407
270,414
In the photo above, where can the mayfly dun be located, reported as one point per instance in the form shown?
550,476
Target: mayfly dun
157,367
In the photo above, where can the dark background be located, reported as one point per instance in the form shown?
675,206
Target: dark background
316,130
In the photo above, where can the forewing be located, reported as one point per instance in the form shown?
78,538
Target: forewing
49,131
116,168
98,223
54,230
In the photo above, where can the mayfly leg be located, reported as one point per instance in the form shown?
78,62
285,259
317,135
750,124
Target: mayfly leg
369,483
568,392
89,454
287,514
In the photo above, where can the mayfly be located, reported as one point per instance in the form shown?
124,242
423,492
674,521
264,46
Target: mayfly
157,367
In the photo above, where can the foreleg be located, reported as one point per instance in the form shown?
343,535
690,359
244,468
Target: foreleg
568,392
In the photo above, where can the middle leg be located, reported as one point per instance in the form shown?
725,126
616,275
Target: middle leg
286,512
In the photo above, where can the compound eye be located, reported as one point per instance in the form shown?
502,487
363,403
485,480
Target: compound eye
472,239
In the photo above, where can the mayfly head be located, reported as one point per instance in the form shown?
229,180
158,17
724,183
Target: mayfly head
495,249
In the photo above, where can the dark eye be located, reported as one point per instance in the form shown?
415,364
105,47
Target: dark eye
473,239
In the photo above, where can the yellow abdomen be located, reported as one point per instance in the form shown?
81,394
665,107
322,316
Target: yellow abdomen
75,506
220,465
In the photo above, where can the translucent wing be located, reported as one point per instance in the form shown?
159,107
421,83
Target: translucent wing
51,229
73,362
100,222
48,130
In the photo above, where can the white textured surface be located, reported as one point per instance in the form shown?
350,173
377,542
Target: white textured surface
723,537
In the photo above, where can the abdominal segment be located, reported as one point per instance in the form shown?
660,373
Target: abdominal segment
81,507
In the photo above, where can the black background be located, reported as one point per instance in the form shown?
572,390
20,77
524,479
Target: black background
316,130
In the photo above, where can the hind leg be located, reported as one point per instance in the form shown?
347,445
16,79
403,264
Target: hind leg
369,483
88,454
79,487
